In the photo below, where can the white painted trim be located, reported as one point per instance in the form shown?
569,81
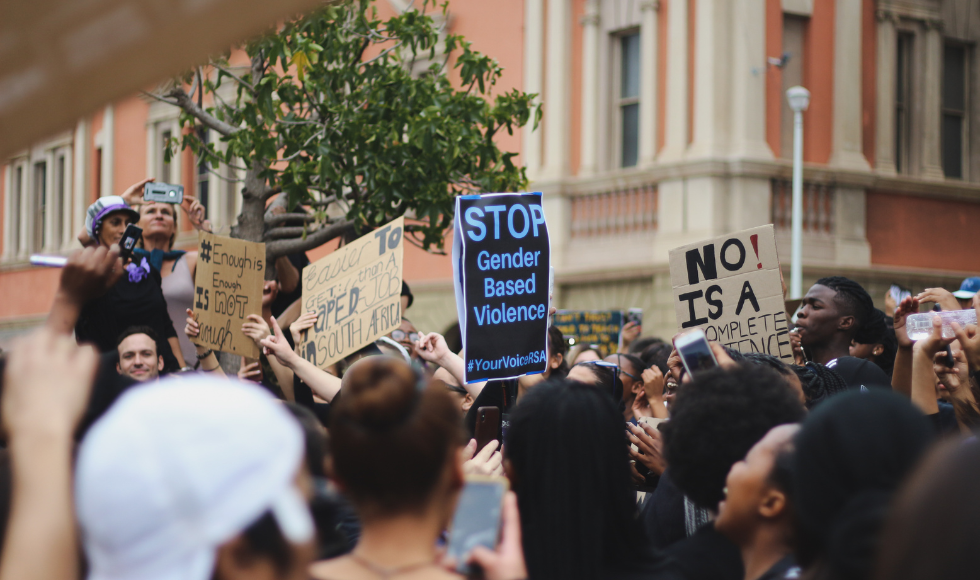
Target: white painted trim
108,138
8,196
81,171
533,73
649,36
676,134
557,91
588,163
846,140
798,7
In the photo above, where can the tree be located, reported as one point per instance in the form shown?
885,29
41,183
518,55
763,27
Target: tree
331,114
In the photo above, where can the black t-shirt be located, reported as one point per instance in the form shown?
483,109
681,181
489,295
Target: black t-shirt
707,555
652,565
284,299
662,513
785,569
128,304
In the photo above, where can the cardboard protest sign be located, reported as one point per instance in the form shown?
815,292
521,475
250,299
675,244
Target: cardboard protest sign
600,327
502,274
356,293
228,288
730,287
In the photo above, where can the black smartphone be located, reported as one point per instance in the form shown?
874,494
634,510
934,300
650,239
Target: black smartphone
695,352
948,360
477,519
163,192
487,426
128,241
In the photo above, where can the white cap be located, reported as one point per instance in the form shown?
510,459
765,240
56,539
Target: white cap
175,469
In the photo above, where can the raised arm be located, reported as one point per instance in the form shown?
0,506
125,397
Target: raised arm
923,375
88,274
323,384
432,348
47,384
902,371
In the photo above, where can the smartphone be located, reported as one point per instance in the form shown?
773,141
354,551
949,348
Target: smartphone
635,315
487,426
477,519
128,241
163,192
898,293
948,360
695,352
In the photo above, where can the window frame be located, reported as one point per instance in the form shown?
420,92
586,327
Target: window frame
902,132
963,114
618,102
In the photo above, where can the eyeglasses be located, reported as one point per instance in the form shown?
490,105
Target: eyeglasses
400,335
634,377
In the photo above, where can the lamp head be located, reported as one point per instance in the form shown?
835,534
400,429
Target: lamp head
798,97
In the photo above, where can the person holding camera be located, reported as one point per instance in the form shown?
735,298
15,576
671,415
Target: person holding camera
135,299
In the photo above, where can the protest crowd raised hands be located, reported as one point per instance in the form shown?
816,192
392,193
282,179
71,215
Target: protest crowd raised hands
163,442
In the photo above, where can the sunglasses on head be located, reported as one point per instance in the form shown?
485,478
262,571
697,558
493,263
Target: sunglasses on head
401,335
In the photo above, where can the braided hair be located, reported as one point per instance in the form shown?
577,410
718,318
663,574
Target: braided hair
854,299
819,383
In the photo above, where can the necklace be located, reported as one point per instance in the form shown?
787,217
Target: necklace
388,572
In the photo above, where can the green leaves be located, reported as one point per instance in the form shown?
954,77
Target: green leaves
344,104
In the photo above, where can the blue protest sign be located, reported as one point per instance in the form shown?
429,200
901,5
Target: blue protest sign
502,266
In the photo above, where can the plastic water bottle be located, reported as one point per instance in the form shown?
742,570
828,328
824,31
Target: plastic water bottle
919,325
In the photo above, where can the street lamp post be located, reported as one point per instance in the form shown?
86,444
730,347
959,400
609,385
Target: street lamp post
799,100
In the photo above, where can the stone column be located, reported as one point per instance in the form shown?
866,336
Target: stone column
533,73
885,109
846,150
80,178
648,82
930,145
712,71
556,94
589,163
676,135
748,112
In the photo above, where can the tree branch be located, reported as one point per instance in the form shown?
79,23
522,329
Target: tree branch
274,220
286,232
184,101
240,80
270,191
161,99
285,247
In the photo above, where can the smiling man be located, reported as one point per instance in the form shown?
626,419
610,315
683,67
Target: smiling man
834,309
138,357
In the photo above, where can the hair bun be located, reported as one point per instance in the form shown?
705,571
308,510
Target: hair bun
853,542
379,393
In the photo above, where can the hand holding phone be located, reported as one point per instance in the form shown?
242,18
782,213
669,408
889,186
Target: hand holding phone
128,241
695,352
487,426
477,519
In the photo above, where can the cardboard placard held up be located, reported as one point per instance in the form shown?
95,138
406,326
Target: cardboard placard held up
600,327
356,292
228,287
730,287
502,278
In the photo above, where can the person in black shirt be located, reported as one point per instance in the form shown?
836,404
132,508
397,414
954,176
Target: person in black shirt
134,300
565,455
756,514
715,421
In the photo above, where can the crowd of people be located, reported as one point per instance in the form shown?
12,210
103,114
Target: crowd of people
129,454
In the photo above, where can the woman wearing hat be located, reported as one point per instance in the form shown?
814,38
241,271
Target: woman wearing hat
136,299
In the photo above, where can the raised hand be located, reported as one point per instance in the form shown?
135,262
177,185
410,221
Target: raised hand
488,461
90,272
940,296
250,371
192,328
507,561
276,345
432,348
302,324
907,306
648,441
969,339
134,193
256,328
